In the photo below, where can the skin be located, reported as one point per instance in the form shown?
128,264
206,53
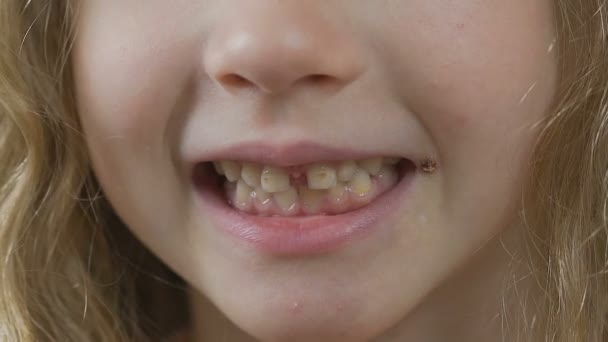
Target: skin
461,81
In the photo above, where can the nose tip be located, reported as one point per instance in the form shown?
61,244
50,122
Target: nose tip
276,52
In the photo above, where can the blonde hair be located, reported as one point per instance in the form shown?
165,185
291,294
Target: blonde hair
64,270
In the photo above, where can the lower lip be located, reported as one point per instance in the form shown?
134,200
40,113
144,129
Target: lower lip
305,235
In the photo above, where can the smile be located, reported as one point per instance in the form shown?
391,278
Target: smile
287,209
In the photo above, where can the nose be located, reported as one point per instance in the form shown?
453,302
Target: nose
272,47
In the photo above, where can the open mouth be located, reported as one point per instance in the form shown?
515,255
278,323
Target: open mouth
303,209
327,188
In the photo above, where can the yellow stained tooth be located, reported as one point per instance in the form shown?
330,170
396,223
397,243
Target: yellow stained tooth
218,168
311,200
232,170
321,177
274,179
372,165
286,200
261,195
251,174
337,193
243,193
361,183
346,170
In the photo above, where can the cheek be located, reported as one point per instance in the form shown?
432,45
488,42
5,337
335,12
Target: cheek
478,77
122,72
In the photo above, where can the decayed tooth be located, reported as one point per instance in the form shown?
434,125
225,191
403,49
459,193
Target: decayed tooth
372,165
274,179
286,200
346,170
337,193
243,193
321,177
361,183
218,168
251,174
260,195
391,161
232,170
311,200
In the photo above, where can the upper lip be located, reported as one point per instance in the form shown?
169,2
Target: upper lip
287,154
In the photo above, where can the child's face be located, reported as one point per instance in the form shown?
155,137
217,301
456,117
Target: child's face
162,85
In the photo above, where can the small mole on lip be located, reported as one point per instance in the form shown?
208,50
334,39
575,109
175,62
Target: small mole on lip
428,165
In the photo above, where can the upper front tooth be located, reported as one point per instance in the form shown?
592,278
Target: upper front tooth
232,170
251,174
372,165
274,179
346,170
321,177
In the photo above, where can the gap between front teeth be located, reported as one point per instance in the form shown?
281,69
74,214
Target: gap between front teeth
322,188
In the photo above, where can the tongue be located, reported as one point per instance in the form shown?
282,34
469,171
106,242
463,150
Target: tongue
299,200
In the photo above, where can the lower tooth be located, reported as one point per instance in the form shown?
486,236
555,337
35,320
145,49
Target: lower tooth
361,183
311,200
286,200
243,194
337,194
261,196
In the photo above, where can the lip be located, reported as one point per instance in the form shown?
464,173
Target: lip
296,236
286,154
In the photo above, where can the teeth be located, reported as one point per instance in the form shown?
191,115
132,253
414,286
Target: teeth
251,174
261,195
337,193
232,170
286,200
263,188
274,179
321,177
372,165
218,168
388,175
361,183
346,170
243,194
311,200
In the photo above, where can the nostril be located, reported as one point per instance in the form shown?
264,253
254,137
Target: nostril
319,78
235,81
